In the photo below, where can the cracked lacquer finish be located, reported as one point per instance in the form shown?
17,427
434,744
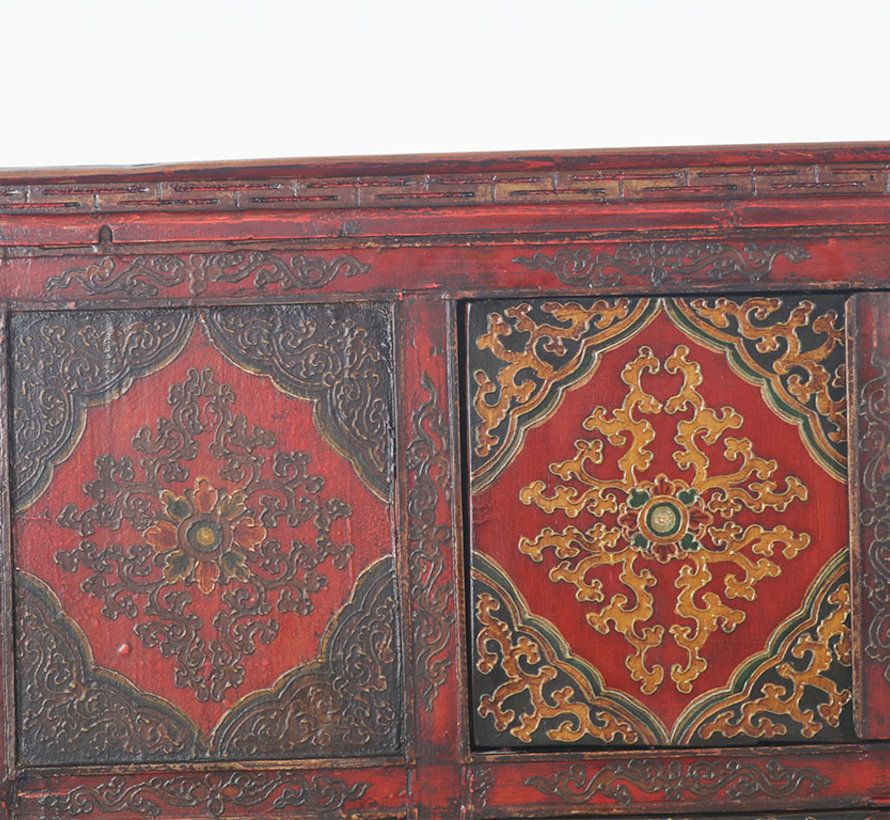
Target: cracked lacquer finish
190,565
447,488
625,438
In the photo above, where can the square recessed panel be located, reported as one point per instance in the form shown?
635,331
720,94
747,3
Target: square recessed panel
203,534
658,516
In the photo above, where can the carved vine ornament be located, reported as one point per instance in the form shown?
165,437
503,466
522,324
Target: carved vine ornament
219,534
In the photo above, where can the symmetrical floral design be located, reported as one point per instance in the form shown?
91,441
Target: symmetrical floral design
664,518
218,536
637,519
206,535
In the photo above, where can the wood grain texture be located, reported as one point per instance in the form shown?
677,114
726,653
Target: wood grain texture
252,434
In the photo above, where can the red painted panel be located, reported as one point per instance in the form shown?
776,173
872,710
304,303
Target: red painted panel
662,424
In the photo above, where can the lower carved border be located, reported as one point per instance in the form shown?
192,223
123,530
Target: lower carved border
214,793
677,780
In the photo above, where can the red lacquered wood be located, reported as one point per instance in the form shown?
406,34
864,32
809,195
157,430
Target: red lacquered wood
421,236
429,530
870,522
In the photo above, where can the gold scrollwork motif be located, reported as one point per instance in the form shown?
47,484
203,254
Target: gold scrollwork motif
799,671
640,519
495,646
796,352
530,684
534,354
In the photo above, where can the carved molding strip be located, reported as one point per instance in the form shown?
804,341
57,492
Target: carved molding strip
146,275
874,447
319,794
62,365
70,710
337,356
676,780
429,480
628,183
664,263
348,701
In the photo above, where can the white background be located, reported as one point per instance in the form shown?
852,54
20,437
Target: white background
95,82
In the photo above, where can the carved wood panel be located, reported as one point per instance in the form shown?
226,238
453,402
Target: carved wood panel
203,531
649,476
447,488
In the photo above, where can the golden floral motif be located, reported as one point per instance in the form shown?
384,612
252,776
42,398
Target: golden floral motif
686,523
206,535
806,374
831,643
538,359
530,668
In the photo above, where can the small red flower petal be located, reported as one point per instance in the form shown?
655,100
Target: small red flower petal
207,574
205,496
248,534
162,536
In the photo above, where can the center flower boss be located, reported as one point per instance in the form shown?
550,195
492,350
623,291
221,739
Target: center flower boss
206,534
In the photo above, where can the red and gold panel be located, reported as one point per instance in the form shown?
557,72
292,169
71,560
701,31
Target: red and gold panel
203,534
658,517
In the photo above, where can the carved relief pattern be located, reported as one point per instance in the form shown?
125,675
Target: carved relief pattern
661,263
207,536
61,368
665,518
785,688
675,780
534,688
146,275
349,698
429,541
71,711
638,520
796,348
531,685
336,357
532,354
874,438
814,178
214,793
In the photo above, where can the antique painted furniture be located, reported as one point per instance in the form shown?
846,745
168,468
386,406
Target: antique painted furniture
467,487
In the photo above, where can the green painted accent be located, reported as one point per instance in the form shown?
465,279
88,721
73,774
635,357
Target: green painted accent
687,496
179,508
637,498
664,519
641,541
689,542
784,406
486,570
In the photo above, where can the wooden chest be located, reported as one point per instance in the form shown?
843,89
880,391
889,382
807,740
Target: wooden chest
469,487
